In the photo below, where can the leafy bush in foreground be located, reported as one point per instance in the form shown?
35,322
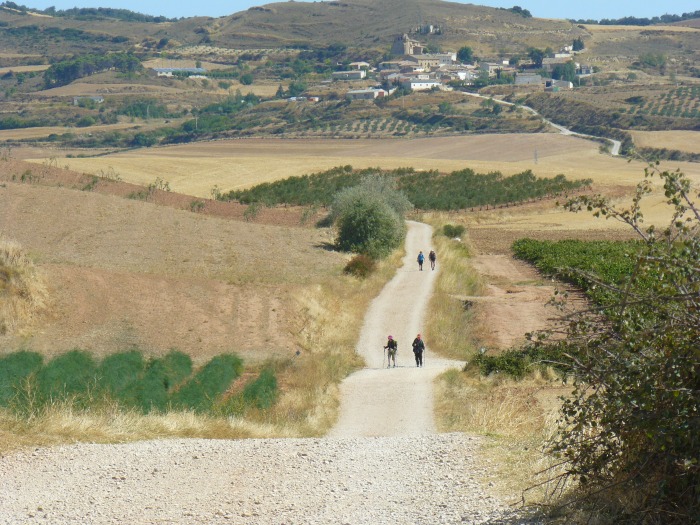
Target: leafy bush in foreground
629,431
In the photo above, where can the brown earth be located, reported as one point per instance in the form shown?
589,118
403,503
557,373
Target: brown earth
124,272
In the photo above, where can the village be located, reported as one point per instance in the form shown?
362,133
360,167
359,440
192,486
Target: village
412,68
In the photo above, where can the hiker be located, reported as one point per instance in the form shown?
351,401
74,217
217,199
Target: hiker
421,258
418,348
391,348
432,257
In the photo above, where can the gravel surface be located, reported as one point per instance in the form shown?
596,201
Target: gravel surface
430,479
383,463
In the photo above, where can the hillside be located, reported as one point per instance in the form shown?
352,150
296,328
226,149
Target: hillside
356,23
365,23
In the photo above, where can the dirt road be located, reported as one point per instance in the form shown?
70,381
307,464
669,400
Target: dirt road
398,401
382,464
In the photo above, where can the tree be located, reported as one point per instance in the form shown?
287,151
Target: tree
629,432
565,71
578,44
369,217
536,55
465,55
246,79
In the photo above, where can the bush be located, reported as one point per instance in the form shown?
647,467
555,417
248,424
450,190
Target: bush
68,376
360,266
370,227
453,231
160,378
202,391
629,432
15,368
262,392
119,375
369,217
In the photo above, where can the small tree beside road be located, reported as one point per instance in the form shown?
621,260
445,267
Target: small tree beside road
369,217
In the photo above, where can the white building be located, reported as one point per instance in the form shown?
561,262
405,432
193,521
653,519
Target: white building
357,74
366,94
420,85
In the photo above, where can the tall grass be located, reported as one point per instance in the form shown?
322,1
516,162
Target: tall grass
517,416
450,327
329,321
22,286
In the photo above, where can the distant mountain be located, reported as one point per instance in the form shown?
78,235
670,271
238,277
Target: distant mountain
354,23
368,23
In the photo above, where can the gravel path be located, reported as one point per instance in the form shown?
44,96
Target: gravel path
382,464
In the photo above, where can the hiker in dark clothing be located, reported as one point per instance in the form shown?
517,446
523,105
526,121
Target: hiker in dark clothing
432,257
421,258
391,349
418,348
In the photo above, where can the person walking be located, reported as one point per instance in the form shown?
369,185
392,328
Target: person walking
391,348
421,258
432,257
418,348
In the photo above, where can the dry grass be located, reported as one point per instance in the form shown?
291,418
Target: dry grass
233,164
451,329
23,292
23,69
688,141
331,315
519,416
30,133
327,328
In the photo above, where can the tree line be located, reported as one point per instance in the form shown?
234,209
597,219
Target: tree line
67,71
430,190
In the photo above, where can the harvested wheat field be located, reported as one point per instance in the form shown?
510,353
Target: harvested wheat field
23,69
235,164
124,273
687,141
86,89
45,131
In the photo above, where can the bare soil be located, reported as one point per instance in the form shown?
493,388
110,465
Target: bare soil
124,272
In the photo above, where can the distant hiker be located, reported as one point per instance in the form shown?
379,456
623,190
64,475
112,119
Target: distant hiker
432,257
418,348
421,258
391,348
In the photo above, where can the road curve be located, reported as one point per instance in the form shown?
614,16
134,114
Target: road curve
615,144
377,401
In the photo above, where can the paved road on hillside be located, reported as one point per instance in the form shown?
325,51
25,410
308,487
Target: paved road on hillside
377,401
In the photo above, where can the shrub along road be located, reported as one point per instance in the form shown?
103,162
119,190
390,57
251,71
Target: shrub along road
383,463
